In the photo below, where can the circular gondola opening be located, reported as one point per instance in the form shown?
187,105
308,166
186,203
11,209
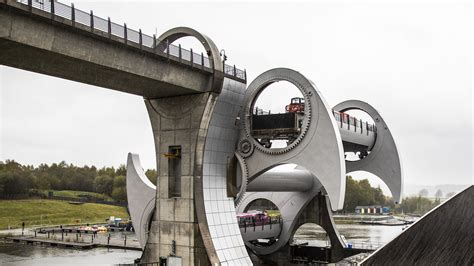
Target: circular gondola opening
188,44
376,191
311,234
277,115
260,223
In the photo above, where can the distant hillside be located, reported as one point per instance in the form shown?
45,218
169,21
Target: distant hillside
413,190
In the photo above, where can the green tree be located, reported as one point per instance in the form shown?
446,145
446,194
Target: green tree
152,175
119,181
360,193
110,171
42,176
15,180
417,205
379,197
121,170
103,184
119,194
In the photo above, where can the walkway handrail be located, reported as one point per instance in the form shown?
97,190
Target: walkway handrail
345,120
260,224
128,35
372,245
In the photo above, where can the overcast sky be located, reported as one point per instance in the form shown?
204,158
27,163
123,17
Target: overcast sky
411,61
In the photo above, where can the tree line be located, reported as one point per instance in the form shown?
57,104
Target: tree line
18,180
361,193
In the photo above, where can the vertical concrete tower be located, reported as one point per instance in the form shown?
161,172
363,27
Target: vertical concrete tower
178,125
195,135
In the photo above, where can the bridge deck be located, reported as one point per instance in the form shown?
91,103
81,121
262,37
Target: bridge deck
131,35
356,134
79,46
266,231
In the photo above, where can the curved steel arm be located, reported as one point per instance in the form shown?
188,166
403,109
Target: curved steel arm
384,159
211,50
319,146
141,195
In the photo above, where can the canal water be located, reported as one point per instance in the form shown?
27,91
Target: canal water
358,235
21,254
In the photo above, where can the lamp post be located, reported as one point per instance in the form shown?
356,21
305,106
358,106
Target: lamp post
224,58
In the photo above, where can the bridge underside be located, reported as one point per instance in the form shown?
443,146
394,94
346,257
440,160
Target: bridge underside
54,47
27,58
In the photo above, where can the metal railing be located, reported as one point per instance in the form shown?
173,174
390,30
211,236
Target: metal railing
360,244
260,225
353,122
260,111
129,35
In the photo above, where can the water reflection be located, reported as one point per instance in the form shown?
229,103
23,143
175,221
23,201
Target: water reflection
22,254
371,233
376,235
312,234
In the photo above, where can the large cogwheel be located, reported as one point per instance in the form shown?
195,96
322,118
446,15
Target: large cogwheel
307,94
243,186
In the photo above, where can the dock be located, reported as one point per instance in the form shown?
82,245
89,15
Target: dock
303,254
66,244
53,243
386,223
77,230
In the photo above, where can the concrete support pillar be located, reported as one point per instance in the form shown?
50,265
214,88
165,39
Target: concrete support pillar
178,122
318,211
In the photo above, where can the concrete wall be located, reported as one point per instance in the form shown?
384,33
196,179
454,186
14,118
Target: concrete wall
178,121
53,47
201,221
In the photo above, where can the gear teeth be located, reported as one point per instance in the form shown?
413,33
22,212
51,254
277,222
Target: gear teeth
251,148
307,95
245,180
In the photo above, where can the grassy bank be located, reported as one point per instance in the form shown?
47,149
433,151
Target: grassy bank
73,194
53,212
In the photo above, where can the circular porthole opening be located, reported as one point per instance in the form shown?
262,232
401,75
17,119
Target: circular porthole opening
311,234
277,115
261,223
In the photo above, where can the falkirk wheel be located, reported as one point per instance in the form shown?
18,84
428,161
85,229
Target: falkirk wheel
214,160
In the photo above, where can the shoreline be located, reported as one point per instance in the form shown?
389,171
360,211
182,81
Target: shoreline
364,219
